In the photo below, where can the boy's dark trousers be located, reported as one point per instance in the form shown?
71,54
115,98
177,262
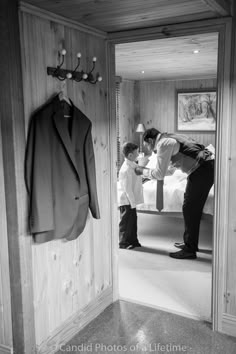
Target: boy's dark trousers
128,226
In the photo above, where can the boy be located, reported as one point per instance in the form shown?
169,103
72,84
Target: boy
131,195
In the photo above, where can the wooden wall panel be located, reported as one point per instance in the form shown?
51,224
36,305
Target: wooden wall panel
15,245
68,276
128,112
5,297
158,105
230,291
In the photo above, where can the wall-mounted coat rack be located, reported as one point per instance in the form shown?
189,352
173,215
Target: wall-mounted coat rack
63,74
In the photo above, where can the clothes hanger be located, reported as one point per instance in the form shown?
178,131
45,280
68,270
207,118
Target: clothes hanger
63,97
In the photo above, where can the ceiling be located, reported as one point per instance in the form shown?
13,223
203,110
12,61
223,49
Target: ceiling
120,15
168,59
162,59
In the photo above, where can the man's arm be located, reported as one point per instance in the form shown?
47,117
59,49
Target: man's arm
165,149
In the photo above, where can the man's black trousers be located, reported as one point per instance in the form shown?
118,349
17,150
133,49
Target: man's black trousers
197,189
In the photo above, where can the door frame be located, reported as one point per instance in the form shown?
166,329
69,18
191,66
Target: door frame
224,28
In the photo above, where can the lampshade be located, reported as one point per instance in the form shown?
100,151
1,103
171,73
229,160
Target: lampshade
140,128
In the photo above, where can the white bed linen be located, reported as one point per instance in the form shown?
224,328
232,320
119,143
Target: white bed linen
174,187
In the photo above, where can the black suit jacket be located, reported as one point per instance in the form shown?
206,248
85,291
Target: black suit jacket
60,173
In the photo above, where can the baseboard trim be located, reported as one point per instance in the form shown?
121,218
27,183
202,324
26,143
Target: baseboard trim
4,349
182,314
75,323
229,324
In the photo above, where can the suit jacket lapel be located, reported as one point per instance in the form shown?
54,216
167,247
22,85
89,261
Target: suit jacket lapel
61,126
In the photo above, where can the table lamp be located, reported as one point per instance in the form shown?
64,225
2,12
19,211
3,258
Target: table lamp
140,129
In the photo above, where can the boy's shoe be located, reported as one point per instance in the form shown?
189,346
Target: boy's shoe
124,246
136,244
130,247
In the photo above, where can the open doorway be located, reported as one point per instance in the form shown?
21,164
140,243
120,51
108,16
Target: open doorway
152,74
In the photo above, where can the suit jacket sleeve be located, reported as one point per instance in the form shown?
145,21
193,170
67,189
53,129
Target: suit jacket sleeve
38,177
91,175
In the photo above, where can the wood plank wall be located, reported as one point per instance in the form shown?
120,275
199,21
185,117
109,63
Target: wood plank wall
230,303
5,296
67,276
127,111
156,106
15,254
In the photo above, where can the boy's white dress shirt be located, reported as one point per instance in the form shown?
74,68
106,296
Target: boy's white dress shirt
130,185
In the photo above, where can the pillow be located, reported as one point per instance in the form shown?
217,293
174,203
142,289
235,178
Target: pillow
211,148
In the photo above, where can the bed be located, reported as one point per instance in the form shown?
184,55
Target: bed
174,187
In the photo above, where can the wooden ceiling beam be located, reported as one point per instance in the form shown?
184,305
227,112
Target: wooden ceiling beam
222,7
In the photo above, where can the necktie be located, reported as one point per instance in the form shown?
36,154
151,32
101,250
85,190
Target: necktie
159,196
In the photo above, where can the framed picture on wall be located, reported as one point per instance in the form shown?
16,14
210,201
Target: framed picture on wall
196,110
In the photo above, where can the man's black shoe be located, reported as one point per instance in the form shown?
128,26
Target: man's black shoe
183,255
181,245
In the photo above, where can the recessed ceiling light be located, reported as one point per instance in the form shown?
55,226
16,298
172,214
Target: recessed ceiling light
142,72
196,51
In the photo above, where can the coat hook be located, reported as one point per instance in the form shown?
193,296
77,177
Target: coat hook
78,57
56,72
90,77
94,63
77,75
92,80
63,53
63,74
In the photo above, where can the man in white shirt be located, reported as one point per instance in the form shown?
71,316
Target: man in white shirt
131,194
195,160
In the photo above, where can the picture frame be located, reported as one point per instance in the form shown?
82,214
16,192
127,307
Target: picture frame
196,110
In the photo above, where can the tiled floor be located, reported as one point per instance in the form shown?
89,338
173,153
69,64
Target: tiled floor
125,327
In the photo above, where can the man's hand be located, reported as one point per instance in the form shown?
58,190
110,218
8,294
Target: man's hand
144,171
138,171
143,161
